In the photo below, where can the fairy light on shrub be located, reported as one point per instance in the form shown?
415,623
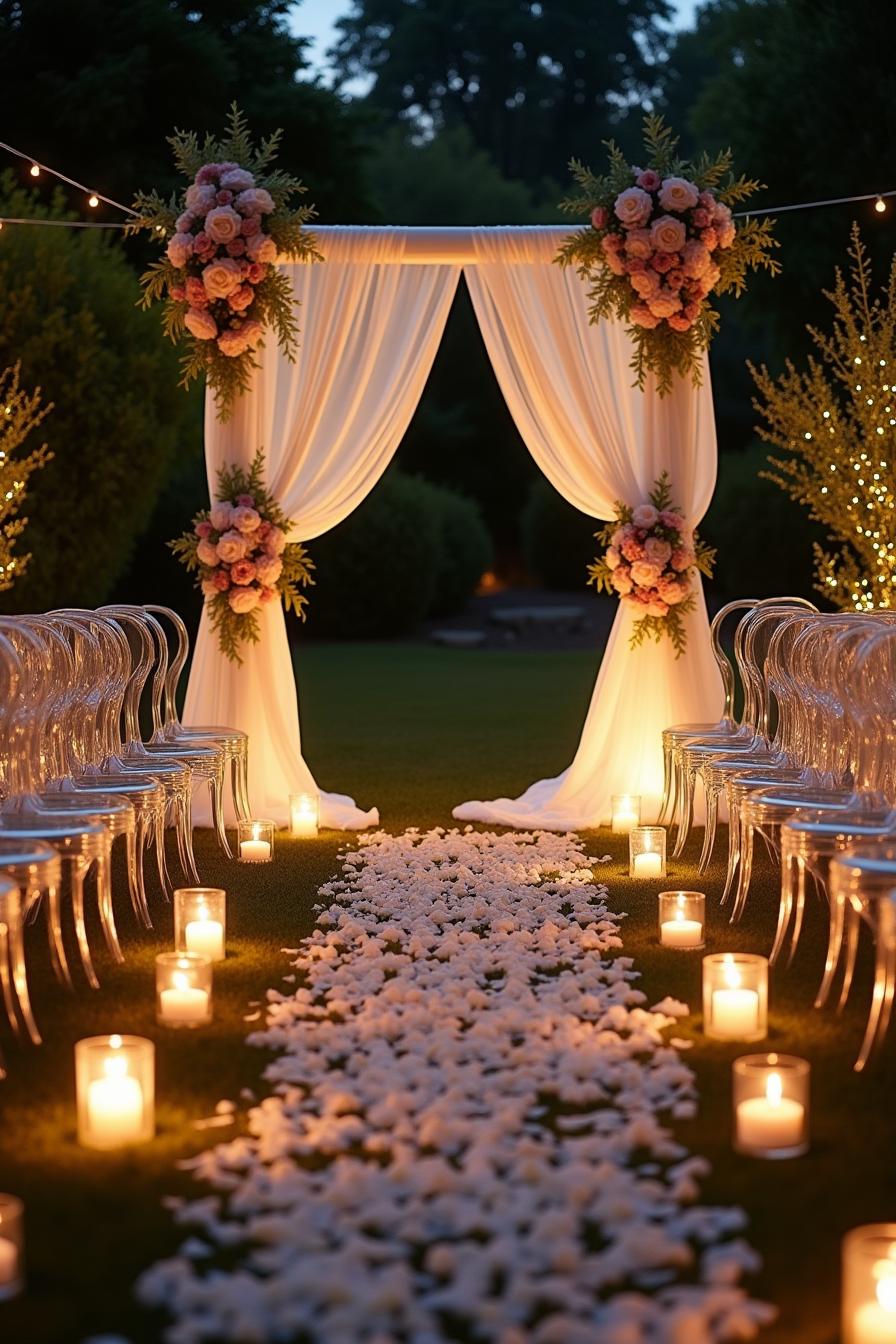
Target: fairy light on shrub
835,433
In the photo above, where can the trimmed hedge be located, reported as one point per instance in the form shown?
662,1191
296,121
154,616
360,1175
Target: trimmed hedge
410,550
557,539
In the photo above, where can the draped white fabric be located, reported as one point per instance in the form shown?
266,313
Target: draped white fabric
329,424
597,439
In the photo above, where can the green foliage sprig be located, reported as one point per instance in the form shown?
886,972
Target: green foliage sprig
272,567
670,596
670,344
20,413
219,356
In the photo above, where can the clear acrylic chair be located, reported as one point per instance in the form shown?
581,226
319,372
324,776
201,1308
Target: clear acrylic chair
863,887
36,869
13,976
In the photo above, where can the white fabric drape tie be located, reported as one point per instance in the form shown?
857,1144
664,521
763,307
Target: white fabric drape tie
568,386
329,424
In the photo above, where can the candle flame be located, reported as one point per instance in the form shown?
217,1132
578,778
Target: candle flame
886,1292
180,981
679,908
731,973
774,1089
115,1066
115,1042
256,830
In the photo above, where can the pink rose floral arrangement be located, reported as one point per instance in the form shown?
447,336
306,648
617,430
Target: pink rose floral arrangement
649,558
659,243
242,558
223,236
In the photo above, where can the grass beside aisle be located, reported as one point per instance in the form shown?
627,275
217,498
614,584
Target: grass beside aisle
414,731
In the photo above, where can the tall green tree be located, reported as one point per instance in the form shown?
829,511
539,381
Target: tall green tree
534,81
93,88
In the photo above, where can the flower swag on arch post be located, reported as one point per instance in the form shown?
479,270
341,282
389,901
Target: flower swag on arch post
219,279
239,551
650,554
661,240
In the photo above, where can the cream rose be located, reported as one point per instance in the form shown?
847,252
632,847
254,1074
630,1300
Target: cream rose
677,193
221,277
223,224
201,324
231,547
667,234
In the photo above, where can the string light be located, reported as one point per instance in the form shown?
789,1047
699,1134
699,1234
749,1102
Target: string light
880,205
93,200
35,170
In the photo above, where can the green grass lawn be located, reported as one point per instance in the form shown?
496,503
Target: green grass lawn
415,730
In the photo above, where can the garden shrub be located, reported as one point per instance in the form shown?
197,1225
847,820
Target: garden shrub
557,539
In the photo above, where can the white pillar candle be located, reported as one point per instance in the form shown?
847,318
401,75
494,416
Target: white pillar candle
9,1264
205,936
649,864
303,815
680,932
772,1121
255,850
115,1105
735,1013
182,1003
626,813
875,1322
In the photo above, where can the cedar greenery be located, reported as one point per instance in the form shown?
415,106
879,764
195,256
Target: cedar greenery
837,420
274,303
662,350
20,413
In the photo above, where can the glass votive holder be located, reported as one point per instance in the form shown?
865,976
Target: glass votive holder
682,919
183,989
115,1085
771,1105
625,812
304,815
735,996
200,921
12,1246
869,1285
647,851
256,841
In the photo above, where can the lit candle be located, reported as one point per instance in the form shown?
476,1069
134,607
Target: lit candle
254,850
303,814
115,1103
205,935
681,932
735,1010
626,813
648,864
772,1121
9,1266
875,1322
183,1004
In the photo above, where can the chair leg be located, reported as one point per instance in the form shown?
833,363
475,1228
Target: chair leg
709,834
138,895
687,811
243,808
879,1012
853,924
216,792
733,851
785,904
81,927
185,835
54,933
835,946
5,979
667,782
104,906
746,871
161,860
16,958
800,908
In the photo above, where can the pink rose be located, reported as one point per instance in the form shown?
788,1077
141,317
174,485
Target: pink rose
621,580
638,244
612,558
598,217
221,580
223,197
673,591
207,174
242,572
268,595
657,608
209,588
612,242
644,574
678,322
180,249
623,533
633,207
672,518
682,559
237,179
678,194
657,552
696,259
721,213
255,201
250,226
645,515
632,550
236,248
221,277
241,298
200,323
207,553
252,332
675,278
701,218
668,234
261,248
615,263
664,304
662,261
634,265
245,518
727,234
649,179
269,567
200,198
641,316
691,311
222,224
713,276
646,283
275,541
231,547
184,222
710,239
195,292
232,343
202,241
177,292
220,515
242,600
246,501
707,200
203,529
257,272
225,166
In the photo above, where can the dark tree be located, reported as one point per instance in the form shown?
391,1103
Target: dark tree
534,81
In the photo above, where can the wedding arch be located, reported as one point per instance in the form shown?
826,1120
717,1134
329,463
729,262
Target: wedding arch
373,316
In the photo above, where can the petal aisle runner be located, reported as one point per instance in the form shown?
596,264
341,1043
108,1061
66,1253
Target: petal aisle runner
465,1137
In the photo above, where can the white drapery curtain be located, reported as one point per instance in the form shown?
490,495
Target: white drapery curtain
329,424
598,440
